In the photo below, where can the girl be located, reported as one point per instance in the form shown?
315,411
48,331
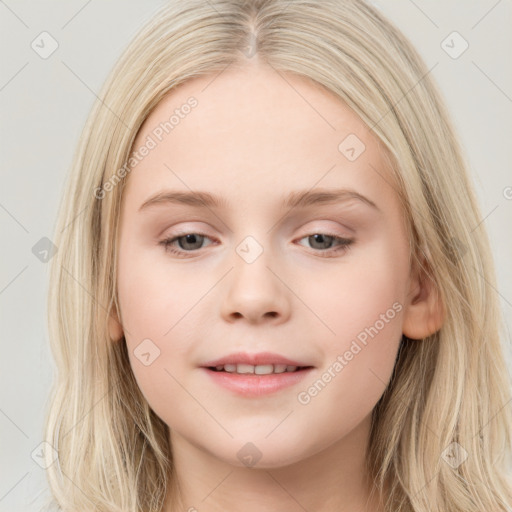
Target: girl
273,290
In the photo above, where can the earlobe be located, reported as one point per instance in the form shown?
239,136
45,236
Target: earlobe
425,313
115,328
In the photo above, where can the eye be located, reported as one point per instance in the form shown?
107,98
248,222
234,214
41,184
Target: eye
188,242
321,242
324,241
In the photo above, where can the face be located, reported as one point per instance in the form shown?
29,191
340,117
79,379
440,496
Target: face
322,281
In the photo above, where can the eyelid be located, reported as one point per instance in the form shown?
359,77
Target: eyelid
315,229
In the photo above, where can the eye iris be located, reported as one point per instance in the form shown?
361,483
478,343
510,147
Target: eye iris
190,239
323,239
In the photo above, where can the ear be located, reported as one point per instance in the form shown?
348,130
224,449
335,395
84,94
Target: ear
424,311
115,328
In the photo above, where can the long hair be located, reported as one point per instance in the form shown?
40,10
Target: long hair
448,399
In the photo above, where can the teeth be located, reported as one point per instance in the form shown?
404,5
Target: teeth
244,368
260,369
264,369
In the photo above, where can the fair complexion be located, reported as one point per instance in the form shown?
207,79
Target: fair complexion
253,139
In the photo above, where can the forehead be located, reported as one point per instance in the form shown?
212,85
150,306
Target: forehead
255,129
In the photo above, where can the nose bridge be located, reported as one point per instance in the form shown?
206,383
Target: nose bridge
251,272
254,291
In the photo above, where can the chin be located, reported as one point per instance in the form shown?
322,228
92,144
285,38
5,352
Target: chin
263,453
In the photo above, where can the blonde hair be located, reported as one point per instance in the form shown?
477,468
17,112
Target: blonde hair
451,387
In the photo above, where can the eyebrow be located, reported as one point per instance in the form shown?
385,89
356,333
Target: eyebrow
296,199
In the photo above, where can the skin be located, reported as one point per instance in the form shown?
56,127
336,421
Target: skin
252,139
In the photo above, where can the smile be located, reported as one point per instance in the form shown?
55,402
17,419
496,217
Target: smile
254,381
261,369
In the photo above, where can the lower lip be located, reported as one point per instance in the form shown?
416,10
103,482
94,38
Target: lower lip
250,384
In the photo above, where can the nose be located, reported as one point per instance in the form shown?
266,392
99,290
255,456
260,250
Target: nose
256,292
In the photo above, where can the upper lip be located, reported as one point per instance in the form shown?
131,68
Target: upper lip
260,358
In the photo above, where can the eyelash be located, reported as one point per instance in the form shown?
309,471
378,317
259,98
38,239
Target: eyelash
345,244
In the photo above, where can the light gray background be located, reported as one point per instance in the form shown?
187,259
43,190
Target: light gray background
44,104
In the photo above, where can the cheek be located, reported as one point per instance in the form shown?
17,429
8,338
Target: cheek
361,306
155,305
158,334
153,296
364,307
352,295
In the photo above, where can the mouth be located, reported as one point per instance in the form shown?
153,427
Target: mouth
263,369
251,381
